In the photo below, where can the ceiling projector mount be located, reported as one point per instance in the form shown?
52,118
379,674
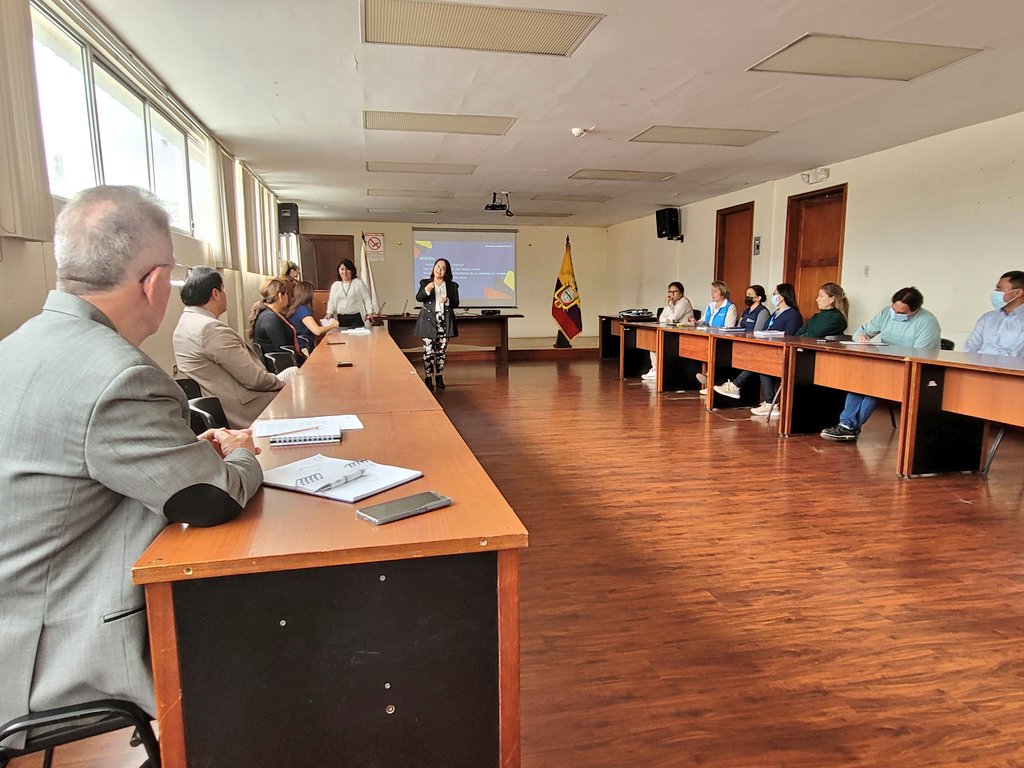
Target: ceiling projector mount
499,202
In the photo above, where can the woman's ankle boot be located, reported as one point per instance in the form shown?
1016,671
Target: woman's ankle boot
440,381
430,382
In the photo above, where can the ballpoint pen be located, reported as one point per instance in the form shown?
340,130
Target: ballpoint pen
348,477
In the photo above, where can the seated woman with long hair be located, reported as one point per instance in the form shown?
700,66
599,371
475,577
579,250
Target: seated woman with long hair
300,315
267,324
787,319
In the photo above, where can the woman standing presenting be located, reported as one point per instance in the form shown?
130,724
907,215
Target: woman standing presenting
438,296
349,300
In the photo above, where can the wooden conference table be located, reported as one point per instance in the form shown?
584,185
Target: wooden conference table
300,635
475,330
946,398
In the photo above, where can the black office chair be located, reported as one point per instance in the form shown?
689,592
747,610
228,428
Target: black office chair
189,387
51,728
279,361
207,412
946,344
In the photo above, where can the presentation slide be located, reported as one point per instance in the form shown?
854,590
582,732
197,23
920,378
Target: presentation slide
483,263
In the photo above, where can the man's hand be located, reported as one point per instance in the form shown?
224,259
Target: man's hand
861,338
231,439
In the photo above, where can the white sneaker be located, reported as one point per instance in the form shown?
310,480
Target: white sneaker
775,413
651,374
702,379
762,409
729,390
704,392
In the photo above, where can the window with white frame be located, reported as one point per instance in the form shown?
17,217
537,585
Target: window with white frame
98,128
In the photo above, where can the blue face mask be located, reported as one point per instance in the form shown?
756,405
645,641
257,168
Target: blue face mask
997,299
897,316
775,299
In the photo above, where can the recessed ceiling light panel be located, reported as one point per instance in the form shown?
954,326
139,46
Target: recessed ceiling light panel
600,174
476,27
836,56
484,125
430,193
552,197
723,137
452,169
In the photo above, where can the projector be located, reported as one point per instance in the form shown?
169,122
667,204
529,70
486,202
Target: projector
498,204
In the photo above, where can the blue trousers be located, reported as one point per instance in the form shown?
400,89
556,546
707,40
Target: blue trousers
768,384
857,411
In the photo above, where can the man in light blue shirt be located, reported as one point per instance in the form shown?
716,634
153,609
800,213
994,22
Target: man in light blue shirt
1001,331
906,323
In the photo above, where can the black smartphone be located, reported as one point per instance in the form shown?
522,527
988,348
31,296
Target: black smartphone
344,363
396,509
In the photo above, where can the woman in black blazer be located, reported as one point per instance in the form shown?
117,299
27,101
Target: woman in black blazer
438,296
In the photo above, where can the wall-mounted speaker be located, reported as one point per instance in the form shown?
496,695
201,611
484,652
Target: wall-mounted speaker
288,218
668,223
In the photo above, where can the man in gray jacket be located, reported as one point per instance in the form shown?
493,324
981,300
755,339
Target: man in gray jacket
97,458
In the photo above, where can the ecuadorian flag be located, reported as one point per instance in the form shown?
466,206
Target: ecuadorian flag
565,306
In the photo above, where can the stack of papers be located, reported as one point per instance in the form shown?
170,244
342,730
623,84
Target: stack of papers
356,331
873,342
769,334
318,429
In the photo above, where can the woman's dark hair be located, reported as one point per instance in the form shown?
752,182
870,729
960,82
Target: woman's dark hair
302,295
351,268
677,284
759,292
199,285
785,290
447,270
910,296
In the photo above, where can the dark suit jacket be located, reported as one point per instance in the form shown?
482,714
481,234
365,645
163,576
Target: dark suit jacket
426,323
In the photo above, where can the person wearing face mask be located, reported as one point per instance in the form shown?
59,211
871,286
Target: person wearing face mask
1001,331
755,315
785,318
904,323
677,310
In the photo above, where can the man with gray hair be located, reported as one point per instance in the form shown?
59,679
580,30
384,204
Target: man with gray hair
98,458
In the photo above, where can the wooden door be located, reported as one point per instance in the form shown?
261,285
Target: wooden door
733,246
328,251
815,225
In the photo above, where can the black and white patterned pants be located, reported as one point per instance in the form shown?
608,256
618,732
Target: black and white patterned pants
433,352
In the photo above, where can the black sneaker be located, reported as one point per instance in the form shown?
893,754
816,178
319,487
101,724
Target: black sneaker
839,432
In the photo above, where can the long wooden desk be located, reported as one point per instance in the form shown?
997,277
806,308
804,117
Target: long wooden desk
952,397
946,398
301,635
475,330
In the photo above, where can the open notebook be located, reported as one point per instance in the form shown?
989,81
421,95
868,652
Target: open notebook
339,479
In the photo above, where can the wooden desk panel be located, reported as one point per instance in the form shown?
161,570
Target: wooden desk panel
881,377
768,358
986,395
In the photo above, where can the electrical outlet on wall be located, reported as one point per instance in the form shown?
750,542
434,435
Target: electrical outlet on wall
867,270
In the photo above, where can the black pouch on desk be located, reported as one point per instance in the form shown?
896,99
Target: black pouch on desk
838,337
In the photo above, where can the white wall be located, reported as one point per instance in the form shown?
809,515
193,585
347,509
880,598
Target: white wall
601,280
945,214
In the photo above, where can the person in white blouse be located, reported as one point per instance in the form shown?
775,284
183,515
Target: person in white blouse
349,301
677,310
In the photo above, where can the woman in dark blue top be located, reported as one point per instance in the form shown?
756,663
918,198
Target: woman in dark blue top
300,315
787,320
756,314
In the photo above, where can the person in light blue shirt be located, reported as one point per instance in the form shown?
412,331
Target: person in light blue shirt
905,323
1001,331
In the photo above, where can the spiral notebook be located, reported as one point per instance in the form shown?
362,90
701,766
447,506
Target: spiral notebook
339,479
318,429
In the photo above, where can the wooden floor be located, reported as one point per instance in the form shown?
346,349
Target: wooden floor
699,592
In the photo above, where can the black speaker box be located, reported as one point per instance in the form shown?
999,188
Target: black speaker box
288,218
668,223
